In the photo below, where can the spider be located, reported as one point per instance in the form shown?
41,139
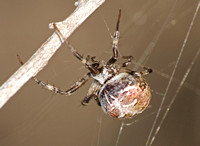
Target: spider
121,92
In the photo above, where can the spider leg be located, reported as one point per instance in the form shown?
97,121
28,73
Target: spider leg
146,71
94,63
75,52
68,92
86,100
142,73
129,71
97,100
92,93
114,58
54,89
128,61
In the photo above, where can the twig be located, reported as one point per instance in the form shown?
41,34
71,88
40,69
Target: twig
41,57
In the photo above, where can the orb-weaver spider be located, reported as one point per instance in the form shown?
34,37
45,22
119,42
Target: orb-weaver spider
121,92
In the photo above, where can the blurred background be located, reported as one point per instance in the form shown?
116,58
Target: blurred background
153,32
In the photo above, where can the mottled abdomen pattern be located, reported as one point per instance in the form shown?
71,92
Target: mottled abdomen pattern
125,95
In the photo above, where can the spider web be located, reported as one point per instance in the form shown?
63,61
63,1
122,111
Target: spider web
161,35
160,116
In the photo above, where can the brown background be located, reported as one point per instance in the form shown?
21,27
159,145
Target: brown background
35,116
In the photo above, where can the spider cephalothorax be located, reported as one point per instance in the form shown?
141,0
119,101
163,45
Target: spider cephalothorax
121,92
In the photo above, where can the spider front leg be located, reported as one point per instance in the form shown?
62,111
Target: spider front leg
114,58
75,52
54,89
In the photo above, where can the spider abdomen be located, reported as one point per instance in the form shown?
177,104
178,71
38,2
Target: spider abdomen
124,96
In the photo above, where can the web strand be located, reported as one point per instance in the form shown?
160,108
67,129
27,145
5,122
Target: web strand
152,44
119,134
170,81
175,95
148,51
